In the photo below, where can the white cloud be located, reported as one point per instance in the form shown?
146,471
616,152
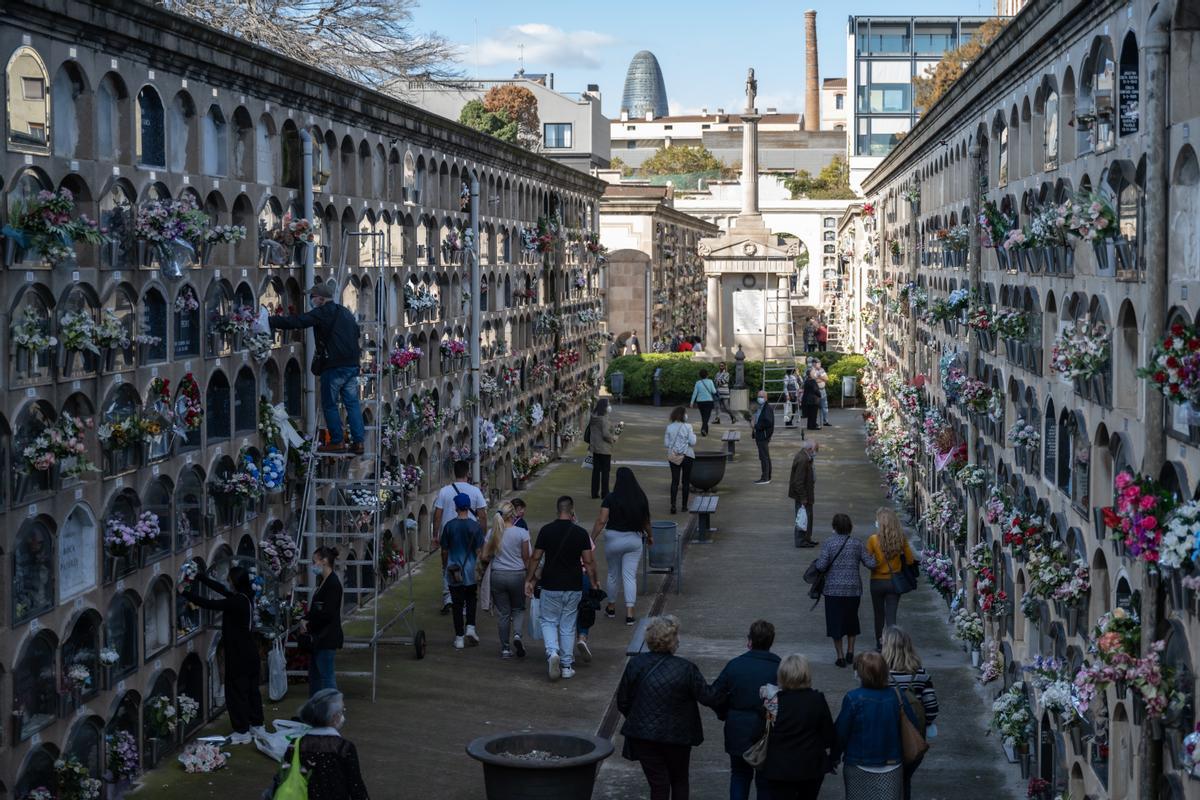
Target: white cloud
546,47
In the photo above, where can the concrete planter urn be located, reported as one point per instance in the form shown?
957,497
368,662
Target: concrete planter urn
708,469
555,765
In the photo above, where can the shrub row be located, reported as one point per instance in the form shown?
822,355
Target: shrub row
680,371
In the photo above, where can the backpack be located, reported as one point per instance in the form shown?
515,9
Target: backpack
295,783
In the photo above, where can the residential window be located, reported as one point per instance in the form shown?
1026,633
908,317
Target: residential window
33,89
830,222
668,127
839,101
558,135
631,144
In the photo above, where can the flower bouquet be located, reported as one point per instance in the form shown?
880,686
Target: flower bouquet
80,677
189,709
296,230
189,571
968,628
186,300
940,571
565,358
452,348
188,401
31,331
120,538
972,476
112,333
61,442
994,225
1092,218
77,330
74,781
402,358
997,505
279,551
120,433
161,222
109,657
163,716
1081,350
993,665
488,385
245,483
1180,545
46,225
225,234
391,562
1011,324
1022,434
1011,716
980,318
410,479
1023,533
122,754
274,470
1139,514
975,395
202,757
1174,368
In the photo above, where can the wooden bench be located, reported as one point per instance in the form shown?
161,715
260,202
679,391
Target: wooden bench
731,438
704,506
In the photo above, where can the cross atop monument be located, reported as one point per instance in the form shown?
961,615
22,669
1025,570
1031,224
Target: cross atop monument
751,90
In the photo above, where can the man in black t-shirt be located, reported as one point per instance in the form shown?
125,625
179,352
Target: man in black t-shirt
563,544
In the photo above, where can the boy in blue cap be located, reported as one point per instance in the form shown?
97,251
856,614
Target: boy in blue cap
462,541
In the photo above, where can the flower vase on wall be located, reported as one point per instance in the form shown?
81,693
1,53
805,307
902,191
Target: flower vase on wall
1105,252
975,658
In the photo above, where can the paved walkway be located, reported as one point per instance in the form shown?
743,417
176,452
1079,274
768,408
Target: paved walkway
411,739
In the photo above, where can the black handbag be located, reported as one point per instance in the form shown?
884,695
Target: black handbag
905,580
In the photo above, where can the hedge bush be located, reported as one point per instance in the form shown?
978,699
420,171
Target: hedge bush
680,371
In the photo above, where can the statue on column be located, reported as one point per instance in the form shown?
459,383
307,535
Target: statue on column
751,89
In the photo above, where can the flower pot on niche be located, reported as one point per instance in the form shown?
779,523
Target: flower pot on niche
1125,252
1105,252
975,658
1026,760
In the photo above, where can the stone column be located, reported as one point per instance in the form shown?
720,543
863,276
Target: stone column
712,318
750,162
978,165
812,88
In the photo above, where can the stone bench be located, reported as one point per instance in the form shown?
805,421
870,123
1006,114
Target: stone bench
731,438
703,506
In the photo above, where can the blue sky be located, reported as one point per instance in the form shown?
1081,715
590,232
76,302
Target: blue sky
703,50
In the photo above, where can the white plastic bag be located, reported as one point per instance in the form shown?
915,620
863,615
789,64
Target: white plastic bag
277,685
535,618
801,519
276,744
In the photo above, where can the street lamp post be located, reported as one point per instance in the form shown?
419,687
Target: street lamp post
476,327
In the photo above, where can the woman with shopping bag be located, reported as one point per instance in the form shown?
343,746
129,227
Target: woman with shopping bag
321,764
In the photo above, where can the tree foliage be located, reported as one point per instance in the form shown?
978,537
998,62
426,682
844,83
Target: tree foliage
368,41
616,162
831,183
520,106
493,123
681,159
929,88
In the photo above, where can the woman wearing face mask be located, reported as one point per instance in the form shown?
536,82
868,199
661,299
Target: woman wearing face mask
329,761
678,439
323,620
236,604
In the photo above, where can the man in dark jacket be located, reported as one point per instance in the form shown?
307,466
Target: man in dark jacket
802,489
242,661
764,428
336,361
742,707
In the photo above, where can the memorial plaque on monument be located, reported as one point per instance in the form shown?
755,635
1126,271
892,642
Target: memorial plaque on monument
1127,95
76,557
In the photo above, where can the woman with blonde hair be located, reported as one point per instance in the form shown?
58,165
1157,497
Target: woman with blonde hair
907,674
890,577
507,550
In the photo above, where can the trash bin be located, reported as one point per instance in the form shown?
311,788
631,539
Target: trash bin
616,383
849,386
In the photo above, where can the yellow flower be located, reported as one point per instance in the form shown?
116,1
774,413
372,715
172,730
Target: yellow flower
1119,613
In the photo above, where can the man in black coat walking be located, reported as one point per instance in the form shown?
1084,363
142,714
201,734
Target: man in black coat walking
336,361
764,428
243,699
742,707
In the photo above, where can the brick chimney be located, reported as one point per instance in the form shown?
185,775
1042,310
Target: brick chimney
812,81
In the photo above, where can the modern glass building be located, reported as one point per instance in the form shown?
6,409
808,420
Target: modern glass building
645,90
884,55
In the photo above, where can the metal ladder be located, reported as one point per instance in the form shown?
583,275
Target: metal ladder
339,508
779,333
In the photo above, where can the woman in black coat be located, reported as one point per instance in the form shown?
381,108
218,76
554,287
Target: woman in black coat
802,735
323,621
242,660
658,694
329,761
810,401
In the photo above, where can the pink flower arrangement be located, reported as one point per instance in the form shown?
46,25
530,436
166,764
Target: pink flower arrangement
120,538
404,357
1138,517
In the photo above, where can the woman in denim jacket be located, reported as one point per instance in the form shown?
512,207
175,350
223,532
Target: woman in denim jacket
868,732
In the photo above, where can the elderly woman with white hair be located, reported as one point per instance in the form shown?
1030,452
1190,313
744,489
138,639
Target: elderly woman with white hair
329,762
658,695
802,735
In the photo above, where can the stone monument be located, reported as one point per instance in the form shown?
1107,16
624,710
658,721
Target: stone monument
748,267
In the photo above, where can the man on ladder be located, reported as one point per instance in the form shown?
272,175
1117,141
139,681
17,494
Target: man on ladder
336,362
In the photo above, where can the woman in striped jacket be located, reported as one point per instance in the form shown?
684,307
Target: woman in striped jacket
907,673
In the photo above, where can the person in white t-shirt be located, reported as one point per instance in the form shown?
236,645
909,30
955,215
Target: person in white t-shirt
508,550
443,512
